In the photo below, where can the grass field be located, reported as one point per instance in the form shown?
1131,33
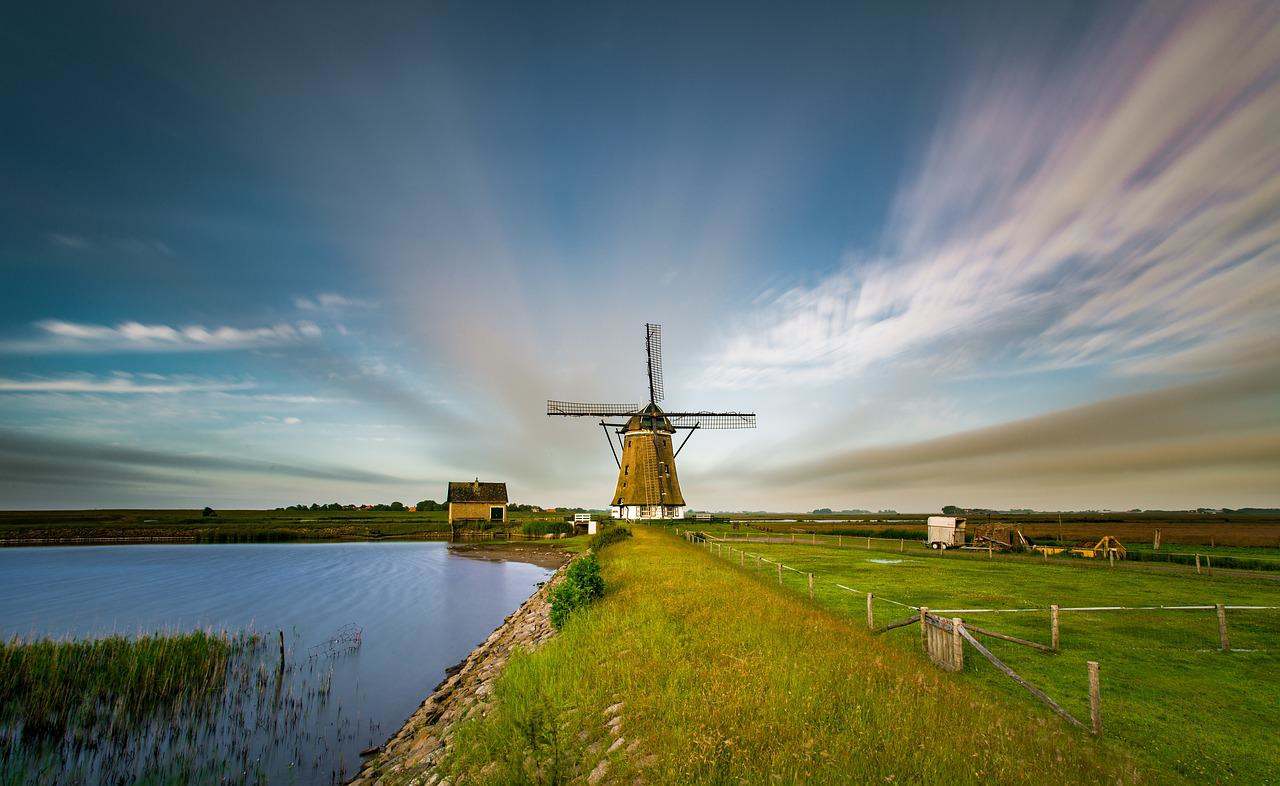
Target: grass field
1255,531
725,679
1176,702
1239,534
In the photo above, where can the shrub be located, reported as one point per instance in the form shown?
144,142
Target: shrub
545,527
609,536
581,585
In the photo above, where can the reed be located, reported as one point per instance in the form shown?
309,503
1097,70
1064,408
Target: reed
200,707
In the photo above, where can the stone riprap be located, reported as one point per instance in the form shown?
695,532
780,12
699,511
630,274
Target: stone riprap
413,752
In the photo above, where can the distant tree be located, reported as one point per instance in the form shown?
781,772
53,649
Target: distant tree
315,506
208,513
397,506
951,510
822,510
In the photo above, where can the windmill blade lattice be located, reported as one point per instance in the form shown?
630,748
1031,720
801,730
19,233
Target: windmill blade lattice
709,420
583,410
653,348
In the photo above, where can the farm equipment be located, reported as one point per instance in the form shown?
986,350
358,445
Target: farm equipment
1000,537
1106,547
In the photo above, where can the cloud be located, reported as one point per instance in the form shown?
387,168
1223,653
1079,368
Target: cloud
72,461
330,301
73,242
292,421
63,336
1119,209
1222,423
121,384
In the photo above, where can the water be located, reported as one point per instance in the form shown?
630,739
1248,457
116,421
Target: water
420,609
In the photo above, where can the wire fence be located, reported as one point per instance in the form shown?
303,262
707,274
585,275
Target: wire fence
719,544
944,638
1197,562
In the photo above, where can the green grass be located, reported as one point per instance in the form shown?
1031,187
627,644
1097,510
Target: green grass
1182,707
725,678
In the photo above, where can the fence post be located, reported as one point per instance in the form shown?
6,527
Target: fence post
1222,629
793,536
1155,542
1053,626
868,541
779,574
871,615
839,540
742,558
810,586
957,645
988,551
1208,562
813,538
924,629
1095,698
1197,564
902,544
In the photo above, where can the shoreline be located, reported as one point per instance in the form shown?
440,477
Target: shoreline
424,738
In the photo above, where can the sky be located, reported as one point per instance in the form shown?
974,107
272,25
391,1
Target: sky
991,255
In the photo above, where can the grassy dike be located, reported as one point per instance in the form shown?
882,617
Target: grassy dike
724,677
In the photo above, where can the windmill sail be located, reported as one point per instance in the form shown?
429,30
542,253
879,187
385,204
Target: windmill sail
653,350
582,410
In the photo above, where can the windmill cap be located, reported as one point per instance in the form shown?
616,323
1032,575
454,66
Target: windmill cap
651,418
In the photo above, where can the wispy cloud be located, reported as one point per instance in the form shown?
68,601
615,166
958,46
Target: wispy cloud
130,245
331,301
1226,423
1120,209
85,461
119,384
65,240
56,335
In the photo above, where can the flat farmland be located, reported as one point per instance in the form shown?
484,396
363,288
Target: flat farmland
130,526
1164,679
1176,529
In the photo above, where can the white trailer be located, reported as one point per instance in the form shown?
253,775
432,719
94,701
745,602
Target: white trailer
945,532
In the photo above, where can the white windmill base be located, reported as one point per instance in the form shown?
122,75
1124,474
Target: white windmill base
635,512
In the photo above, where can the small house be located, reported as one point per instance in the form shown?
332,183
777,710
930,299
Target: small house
476,501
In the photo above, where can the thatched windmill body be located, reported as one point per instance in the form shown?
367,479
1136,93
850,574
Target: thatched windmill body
648,487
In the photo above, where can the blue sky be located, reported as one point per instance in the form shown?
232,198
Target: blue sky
982,254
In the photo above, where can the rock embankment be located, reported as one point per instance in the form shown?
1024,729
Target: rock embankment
466,690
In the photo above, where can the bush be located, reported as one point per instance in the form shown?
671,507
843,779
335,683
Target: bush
609,536
581,585
546,527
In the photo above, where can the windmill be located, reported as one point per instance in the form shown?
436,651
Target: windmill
647,484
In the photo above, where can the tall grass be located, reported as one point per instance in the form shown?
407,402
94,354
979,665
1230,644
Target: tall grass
179,708
727,679
54,687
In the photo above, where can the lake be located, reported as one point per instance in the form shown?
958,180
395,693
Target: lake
419,609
